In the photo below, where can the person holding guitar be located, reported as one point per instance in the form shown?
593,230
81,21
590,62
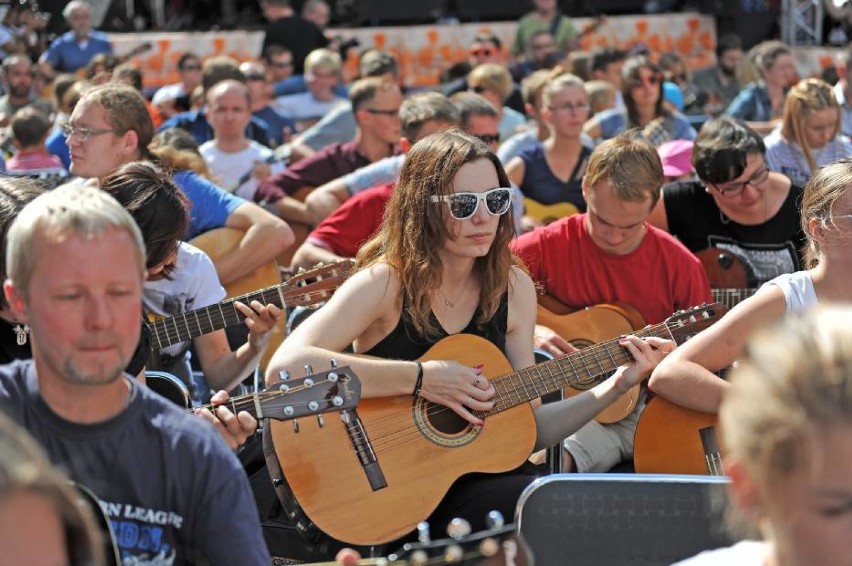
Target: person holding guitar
441,266
786,425
687,378
171,488
739,207
611,254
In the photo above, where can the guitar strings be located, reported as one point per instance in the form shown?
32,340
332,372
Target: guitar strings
383,439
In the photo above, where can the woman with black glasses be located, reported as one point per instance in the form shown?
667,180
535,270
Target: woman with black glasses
740,208
642,88
440,267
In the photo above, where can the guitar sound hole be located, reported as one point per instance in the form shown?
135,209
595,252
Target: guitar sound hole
445,420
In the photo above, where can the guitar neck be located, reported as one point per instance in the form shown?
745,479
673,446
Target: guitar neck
731,297
183,327
581,370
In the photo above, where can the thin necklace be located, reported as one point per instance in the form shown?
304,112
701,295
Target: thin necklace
452,304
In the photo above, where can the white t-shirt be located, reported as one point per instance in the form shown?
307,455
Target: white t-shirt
744,553
798,289
194,284
304,106
232,171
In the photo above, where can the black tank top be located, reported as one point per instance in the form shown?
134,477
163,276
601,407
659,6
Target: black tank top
404,344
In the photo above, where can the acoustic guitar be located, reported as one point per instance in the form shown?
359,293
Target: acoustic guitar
373,478
305,289
728,275
671,439
547,213
583,328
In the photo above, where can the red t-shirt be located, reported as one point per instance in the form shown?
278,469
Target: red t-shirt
657,278
347,228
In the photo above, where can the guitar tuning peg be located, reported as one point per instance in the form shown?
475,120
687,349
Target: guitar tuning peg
308,369
458,528
284,375
320,421
423,534
333,363
495,520
295,426
453,554
419,558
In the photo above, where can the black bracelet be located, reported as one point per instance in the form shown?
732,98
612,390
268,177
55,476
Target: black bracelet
419,383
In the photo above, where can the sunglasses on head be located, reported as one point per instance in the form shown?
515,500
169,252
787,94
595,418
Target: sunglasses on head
464,204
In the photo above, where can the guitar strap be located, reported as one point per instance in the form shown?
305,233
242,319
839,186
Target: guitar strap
554,24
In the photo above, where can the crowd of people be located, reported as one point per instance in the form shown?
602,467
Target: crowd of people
603,178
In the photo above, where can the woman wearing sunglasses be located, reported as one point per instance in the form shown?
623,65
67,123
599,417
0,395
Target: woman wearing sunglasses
737,204
642,88
809,136
686,377
440,265
551,173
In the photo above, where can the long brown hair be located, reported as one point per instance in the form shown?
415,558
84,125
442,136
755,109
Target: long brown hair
414,228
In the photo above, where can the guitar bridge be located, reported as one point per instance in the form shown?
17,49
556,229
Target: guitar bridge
364,449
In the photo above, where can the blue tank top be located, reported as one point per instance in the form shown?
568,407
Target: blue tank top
540,184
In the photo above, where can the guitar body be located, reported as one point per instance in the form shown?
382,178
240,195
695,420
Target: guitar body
590,326
220,241
725,269
668,439
420,455
547,213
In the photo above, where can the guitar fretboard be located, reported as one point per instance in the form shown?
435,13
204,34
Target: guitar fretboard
183,327
581,370
731,297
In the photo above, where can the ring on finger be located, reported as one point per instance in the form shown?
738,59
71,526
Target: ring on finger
469,400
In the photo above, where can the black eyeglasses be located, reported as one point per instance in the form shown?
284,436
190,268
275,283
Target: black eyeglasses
191,68
488,138
478,89
255,77
734,189
383,112
463,205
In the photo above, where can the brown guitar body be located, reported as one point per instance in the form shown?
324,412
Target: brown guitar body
668,439
725,270
220,241
420,457
590,326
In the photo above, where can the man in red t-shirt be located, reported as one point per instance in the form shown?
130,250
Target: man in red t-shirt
611,254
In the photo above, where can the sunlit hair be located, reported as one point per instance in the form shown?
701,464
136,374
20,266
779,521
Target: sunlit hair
559,83
532,86
630,164
794,384
176,149
24,469
632,72
15,193
226,87
159,208
424,107
807,96
767,53
69,210
414,229
825,187
324,59
125,111
493,77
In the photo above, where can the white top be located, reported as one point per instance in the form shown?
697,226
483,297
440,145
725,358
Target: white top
194,284
743,553
304,106
233,170
168,92
798,289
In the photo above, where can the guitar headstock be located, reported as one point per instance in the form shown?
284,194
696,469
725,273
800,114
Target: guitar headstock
460,546
687,323
336,389
314,286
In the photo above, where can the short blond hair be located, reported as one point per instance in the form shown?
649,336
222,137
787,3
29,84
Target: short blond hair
323,59
493,77
630,164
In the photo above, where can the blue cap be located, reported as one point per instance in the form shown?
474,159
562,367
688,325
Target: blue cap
672,93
